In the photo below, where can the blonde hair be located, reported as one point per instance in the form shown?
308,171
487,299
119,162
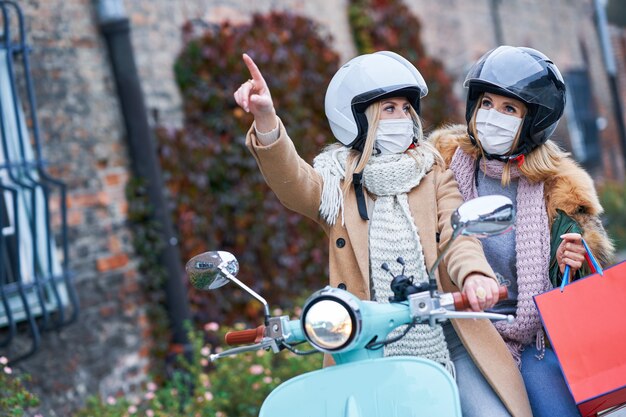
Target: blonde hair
539,164
357,161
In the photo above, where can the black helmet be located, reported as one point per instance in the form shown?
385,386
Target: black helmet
526,75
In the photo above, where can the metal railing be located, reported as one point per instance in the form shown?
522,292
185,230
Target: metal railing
36,292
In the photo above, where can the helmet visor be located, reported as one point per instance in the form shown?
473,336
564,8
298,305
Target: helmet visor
530,78
410,92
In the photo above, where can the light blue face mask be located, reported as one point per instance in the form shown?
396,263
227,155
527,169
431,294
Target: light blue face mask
394,135
496,131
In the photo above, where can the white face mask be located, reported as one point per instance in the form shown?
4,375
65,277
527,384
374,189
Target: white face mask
394,135
496,131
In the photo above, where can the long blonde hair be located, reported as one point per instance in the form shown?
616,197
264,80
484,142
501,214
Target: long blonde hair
357,161
539,164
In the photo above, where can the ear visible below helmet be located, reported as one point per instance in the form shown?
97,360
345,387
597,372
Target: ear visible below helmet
362,81
526,75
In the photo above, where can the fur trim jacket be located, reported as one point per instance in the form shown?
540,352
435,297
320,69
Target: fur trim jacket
571,192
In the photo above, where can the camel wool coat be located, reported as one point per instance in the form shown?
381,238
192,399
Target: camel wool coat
298,186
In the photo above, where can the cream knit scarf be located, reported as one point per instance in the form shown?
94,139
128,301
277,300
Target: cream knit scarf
392,233
532,246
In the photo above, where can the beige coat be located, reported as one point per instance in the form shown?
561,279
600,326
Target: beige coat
299,186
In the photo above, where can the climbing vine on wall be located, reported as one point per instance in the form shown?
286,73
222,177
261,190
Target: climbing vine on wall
389,25
220,198
148,244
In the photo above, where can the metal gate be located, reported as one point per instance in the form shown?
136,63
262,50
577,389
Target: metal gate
36,292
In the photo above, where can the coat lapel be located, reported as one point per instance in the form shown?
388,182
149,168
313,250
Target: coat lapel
358,234
424,212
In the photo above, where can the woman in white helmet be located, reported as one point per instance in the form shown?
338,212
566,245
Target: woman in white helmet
379,194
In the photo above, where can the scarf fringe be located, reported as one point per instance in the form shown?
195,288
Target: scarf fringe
332,198
332,173
540,343
449,365
516,349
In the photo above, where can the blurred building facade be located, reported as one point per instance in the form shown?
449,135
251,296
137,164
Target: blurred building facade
106,351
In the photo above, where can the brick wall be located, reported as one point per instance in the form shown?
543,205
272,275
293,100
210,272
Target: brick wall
83,139
105,351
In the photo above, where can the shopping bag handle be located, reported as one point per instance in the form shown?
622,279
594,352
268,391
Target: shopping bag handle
591,261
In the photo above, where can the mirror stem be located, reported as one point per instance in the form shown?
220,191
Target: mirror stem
262,300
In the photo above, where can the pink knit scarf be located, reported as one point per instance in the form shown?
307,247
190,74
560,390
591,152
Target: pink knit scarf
532,245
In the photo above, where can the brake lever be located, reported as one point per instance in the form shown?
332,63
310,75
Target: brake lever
266,343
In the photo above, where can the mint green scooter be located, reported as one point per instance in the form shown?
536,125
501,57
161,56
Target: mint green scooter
364,383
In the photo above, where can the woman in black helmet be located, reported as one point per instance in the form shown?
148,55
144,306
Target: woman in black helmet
379,193
516,97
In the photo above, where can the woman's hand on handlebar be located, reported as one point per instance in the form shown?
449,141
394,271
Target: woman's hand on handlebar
254,97
481,291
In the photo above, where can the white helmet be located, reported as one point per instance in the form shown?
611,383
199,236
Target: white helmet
362,81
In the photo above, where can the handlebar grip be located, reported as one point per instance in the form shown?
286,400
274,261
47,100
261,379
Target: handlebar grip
461,302
240,337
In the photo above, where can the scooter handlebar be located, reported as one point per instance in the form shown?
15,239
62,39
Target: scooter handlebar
462,303
240,337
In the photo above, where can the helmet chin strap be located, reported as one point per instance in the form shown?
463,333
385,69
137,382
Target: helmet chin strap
357,182
519,157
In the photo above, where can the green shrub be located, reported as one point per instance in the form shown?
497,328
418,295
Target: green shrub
389,25
613,199
231,387
14,397
255,375
148,243
221,199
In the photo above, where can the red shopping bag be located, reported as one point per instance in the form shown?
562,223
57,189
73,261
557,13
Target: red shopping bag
586,325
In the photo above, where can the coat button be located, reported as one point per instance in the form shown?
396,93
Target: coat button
341,242
342,286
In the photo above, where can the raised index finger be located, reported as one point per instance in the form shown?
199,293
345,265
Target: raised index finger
254,70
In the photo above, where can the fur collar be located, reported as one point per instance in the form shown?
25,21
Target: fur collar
571,191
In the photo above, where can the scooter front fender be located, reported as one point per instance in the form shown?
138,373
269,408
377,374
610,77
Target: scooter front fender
388,387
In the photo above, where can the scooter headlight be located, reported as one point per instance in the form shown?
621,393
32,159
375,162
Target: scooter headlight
330,323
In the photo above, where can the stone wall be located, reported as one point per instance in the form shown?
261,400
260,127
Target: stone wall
105,351
156,36
460,31
83,142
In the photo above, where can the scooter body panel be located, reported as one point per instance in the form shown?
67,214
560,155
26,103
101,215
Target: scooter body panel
390,387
